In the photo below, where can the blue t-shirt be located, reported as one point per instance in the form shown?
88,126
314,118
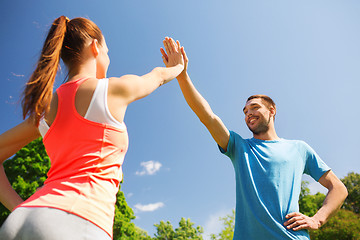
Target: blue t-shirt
268,183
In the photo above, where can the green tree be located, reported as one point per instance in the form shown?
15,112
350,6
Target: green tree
186,230
352,183
309,204
142,234
27,171
229,225
345,225
124,229
164,231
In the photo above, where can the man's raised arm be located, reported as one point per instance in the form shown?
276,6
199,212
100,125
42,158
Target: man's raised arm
196,102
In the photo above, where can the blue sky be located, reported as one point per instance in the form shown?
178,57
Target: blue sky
304,54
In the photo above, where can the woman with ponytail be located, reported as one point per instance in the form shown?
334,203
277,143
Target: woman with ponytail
83,133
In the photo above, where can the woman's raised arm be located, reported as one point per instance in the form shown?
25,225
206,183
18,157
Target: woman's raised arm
132,87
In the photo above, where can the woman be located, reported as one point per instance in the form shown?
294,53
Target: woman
83,133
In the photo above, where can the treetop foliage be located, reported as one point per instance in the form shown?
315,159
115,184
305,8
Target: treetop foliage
352,183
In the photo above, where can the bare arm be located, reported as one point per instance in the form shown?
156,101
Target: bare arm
335,197
132,87
198,104
11,142
204,112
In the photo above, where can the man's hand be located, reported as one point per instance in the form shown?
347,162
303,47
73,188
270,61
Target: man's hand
298,221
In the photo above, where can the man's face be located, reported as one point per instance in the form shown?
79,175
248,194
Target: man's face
257,116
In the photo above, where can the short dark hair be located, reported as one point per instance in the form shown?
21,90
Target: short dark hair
266,100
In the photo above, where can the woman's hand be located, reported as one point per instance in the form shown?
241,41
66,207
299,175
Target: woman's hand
169,45
173,53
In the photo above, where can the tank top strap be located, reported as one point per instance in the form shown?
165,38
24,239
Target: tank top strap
66,98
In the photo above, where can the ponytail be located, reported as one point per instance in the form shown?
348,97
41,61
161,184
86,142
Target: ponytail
66,40
39,89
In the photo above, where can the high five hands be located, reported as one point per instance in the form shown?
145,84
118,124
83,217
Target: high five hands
173,51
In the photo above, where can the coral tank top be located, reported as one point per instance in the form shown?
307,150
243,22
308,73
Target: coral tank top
86,164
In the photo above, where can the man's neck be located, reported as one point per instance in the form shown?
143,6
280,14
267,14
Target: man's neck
270,135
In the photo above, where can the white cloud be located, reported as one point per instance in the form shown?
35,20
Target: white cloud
149,168
10,100
37,24
17,75
129,195
148,207
214,225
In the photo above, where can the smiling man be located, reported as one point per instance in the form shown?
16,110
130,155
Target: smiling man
268,169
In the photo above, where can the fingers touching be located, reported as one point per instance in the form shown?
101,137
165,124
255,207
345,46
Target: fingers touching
184,54
164,56
171,52
171,47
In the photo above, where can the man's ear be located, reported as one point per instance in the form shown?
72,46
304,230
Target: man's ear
94,47
273,111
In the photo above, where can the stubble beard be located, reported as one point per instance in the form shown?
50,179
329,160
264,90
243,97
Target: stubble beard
262,127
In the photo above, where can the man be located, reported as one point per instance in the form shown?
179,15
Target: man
268,169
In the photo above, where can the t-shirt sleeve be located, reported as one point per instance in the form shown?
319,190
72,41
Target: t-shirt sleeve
230,147
314,165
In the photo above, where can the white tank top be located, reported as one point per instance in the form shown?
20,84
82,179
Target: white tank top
98,110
